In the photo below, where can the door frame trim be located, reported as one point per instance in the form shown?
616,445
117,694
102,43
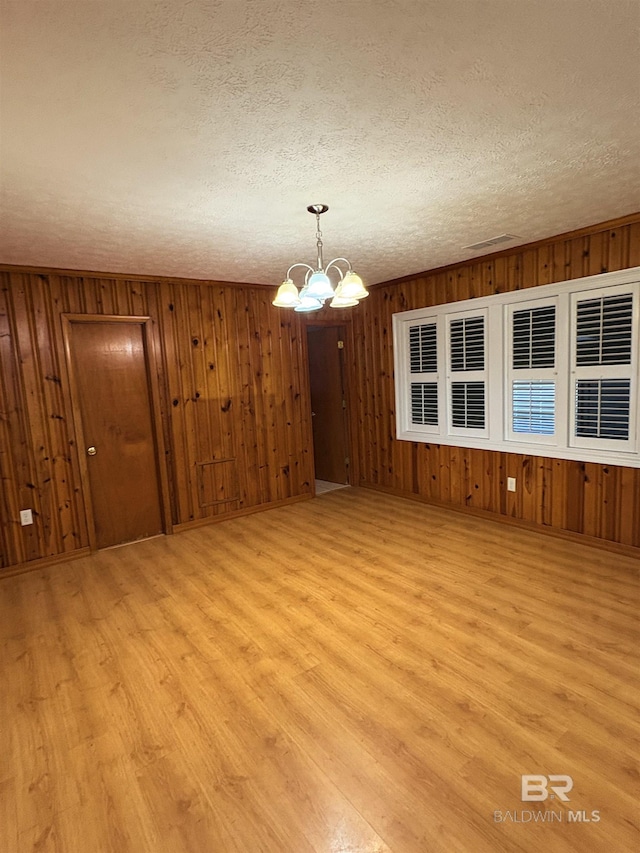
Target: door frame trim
148,341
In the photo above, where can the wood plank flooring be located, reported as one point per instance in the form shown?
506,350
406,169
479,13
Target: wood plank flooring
352,674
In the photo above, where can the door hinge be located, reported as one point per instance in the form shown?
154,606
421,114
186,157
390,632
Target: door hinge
340,344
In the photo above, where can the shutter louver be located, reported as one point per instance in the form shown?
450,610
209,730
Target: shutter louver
424,403
534,338
423,353
467,405
603,408
467,344
604,330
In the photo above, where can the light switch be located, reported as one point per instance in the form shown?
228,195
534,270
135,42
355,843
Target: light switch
511,484
26,517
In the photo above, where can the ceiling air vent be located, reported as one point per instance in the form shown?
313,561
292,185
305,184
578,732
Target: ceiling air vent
493,241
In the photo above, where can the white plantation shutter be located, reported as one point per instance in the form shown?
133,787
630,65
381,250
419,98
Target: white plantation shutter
466,335
531,372
467,373
468,405
603,350
422,348
534,337
603,408
603,330
424,403
423,367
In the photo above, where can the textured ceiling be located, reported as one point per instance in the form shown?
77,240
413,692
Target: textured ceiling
187,138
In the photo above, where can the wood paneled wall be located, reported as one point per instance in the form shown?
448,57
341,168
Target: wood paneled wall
235,401
600,501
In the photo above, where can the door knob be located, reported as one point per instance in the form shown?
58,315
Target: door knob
91,451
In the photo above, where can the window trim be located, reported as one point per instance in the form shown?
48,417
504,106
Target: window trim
497,435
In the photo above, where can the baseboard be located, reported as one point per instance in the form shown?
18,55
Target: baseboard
43,563
236,513
558,533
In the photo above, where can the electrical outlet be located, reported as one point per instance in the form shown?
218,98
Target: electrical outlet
26,517
511,484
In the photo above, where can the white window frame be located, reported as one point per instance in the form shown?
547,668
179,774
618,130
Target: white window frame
498,433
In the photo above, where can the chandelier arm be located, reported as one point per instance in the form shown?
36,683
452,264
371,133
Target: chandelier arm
293,266
334,264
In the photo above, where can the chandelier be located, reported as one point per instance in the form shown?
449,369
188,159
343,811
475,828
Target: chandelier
317,288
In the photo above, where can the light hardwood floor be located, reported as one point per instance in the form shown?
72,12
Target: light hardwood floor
352,674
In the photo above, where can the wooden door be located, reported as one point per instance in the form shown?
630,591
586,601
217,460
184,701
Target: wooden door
113,413
328,403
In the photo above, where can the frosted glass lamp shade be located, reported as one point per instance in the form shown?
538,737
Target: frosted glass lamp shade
352,286
287,295
307,302
319,286
342,302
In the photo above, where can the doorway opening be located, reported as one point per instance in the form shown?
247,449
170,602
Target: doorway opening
329,414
